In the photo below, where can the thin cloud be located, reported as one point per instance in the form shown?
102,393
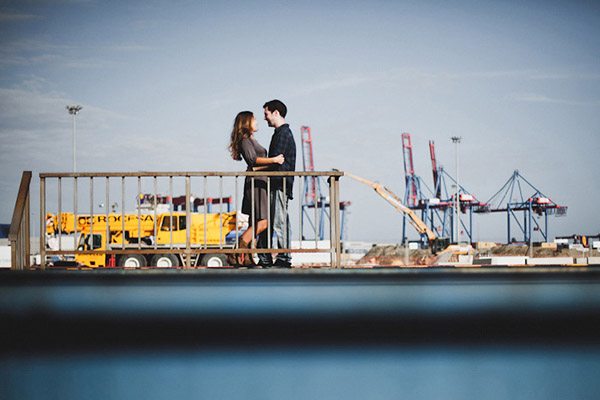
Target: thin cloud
35,134
29,109
430,77
33,45
564,76
527,74
58,60
16,17
129,48
30,51
540,98
25,52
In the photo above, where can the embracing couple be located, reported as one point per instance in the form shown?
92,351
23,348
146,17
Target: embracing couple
280,157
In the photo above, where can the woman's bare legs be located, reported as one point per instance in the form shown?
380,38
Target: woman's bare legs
246,240
248,235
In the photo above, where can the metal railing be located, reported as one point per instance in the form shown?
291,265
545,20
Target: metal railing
18,235
192,250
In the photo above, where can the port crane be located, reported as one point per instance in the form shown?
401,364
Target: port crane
436,244
512,198
437,205
312,196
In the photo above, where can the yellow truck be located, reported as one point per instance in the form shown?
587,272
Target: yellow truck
118,224
144,239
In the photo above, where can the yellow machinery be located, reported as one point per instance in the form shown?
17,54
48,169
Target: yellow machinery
435,243
137,233
117,224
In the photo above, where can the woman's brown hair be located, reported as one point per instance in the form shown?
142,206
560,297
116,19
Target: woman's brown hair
242,128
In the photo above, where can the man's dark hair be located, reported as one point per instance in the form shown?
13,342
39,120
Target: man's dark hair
276,105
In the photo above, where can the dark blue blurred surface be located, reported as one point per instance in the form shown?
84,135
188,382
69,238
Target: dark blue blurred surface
378,334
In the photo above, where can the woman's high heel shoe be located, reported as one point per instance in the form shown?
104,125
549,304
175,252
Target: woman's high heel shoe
232,259
246,259
241,259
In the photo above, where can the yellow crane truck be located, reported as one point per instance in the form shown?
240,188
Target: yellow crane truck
145,237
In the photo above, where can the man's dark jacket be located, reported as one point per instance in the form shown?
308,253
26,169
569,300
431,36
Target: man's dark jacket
282,142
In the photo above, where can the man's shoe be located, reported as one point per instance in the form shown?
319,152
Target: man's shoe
281,264
265,262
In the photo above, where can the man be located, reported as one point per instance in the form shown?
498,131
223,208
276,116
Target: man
282,142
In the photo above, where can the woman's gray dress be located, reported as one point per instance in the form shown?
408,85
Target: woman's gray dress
250,149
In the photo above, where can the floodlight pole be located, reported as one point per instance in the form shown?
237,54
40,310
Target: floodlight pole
74,110
456,140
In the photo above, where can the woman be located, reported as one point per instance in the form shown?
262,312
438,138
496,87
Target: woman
243,145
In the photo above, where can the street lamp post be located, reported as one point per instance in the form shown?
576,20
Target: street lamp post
456,140
74,110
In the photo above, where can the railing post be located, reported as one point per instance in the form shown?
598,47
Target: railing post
19,252
336,207
106,211
14,255
333,237
42,223
27,232
206,206
18,234
188,219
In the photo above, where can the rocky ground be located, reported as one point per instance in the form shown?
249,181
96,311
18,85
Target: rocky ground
395,255
512,250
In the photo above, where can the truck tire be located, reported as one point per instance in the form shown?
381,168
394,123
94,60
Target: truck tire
213,260
132,261
164,261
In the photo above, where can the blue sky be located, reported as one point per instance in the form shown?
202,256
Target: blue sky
161,82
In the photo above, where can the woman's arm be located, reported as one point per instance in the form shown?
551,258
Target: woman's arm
262,168
269,160
267,163
249,155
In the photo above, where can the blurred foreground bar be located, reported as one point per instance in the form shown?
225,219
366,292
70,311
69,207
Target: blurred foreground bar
299,334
